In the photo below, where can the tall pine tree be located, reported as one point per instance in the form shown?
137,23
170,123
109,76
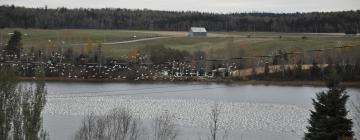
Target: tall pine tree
14,45
328,119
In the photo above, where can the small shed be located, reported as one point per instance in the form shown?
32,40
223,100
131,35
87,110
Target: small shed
197,32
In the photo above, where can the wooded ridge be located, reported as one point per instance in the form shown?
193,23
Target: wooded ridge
111,18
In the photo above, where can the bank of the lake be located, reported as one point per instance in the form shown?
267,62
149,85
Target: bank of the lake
218,80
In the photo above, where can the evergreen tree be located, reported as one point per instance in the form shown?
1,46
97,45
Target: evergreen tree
328,119
267,69
315,71
289,74
14,44
298,71
253,73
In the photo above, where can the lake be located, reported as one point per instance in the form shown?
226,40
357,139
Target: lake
247,111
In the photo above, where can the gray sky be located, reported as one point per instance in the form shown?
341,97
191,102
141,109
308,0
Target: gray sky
218,6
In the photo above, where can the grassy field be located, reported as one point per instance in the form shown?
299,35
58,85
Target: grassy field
40,38
218,44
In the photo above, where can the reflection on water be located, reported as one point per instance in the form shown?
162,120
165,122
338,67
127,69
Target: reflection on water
157,96
298,95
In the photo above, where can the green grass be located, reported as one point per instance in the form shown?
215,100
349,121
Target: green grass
232,43
40,37
297,44
278,34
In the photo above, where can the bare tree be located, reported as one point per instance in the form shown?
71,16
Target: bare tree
165,128
214,127
118,124
122,125
86,131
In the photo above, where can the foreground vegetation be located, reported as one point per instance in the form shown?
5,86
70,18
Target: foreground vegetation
122,124
21,107
329,119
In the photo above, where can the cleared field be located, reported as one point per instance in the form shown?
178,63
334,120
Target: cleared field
40,37
217,45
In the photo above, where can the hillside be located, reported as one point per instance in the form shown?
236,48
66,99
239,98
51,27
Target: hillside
217,45
107,18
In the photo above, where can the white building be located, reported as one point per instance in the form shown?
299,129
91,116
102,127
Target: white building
197,31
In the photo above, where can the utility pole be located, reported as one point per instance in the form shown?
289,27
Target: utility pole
99,57
1,40
172,69
254,29
104,37
2,54
62,51
61,57
57,36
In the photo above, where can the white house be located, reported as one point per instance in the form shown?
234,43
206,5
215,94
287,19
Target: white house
197,31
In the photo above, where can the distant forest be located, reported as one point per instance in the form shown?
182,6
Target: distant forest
112,18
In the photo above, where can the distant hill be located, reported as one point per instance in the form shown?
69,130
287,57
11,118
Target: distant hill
110,18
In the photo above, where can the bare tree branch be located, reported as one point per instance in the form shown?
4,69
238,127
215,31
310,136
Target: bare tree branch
164,128
214,127
118,124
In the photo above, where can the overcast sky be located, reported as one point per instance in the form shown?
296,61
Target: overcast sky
218,6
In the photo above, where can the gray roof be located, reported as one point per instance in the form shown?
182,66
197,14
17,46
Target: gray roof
198,29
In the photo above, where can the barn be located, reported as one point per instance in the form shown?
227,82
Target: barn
197,31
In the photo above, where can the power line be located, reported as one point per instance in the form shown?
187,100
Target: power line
135,89
140,93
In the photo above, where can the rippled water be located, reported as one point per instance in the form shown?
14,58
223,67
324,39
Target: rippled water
249,111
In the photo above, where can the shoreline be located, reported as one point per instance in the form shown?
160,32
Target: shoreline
224,81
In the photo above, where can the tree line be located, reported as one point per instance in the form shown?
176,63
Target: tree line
347,72
122,124
144,19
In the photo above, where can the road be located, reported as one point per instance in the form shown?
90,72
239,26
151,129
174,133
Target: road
124,42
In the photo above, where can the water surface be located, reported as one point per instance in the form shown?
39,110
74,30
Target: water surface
252,111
